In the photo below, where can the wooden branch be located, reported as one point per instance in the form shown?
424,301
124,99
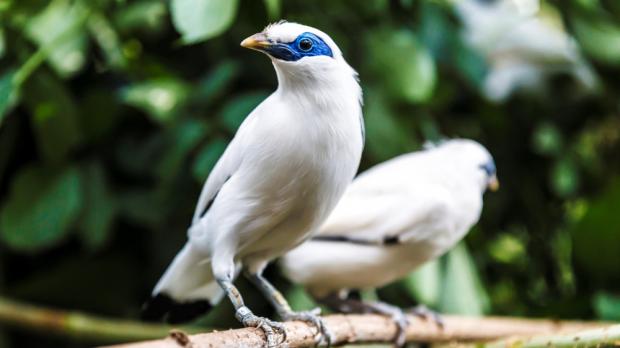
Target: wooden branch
601,337
375,328
78,325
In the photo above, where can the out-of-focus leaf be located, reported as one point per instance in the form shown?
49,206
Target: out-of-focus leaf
147,16
107,38
385,137
8,93
507,248
596,235
239,107
183,139
299,299
274,8
103,112
159,98
547,139
2,43
599,38
462,291
564,177
207,158
99,207
216,82
425,283
607,306
142,207
403,64
199,20
59,28
54,116
41,207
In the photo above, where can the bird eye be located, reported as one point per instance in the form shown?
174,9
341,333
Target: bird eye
305,45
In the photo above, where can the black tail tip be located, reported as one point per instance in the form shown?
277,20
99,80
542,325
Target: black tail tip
162,307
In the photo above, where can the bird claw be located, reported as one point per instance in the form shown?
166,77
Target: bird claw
323,335
425,313
270,328
401,321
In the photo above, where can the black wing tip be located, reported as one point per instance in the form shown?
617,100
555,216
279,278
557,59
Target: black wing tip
162,307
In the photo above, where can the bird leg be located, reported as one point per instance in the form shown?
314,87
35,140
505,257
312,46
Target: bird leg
338,304
285,311
425,313
271,328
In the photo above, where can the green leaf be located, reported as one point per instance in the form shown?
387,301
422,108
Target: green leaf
599,38
199,20
596,235
216,82
159,98
607,306
385,136
207,158
54,116
462,289
181,141
147,16
2,43
8,93
41,207
405,67
274,8
239,107
564,177
299,299
99,207
425,283
105,35
547,139
60,29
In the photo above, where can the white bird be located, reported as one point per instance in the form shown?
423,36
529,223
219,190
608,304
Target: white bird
280,177
393,218
522,46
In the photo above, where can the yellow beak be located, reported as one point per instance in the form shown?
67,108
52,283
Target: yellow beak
256,42
493,184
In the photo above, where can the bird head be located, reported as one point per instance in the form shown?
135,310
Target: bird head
300,52
473,159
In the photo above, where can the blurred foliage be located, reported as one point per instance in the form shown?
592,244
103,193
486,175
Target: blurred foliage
112,113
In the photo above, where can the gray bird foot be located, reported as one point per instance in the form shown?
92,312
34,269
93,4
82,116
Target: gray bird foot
425,313
323,335
272,329
401,321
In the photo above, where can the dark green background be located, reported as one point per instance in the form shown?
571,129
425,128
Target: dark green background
111,121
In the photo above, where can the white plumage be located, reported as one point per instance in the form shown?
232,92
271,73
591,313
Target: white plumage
286,168
394,217
522,46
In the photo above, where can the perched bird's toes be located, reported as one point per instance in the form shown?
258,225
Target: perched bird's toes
401,321
312,317
428,314
272,329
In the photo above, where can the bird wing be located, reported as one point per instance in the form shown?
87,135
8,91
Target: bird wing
387,212
224,169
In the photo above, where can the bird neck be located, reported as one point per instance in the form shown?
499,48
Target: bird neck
329,87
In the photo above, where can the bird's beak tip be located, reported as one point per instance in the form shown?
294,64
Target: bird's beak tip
256,42
493,184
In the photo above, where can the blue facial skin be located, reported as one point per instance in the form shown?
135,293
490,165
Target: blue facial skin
305,45
489,168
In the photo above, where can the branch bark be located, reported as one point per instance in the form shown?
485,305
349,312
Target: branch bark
375,328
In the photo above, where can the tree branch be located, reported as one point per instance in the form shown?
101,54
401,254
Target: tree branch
375,328
78,325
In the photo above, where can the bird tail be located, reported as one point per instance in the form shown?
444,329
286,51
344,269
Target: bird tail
186,291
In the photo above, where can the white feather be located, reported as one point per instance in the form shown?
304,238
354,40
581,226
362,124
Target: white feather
428,200
286,168
521,46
